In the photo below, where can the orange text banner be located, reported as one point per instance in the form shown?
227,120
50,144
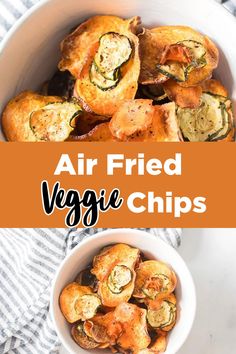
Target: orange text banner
150,188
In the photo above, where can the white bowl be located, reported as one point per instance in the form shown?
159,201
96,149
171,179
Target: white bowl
153,248
30,51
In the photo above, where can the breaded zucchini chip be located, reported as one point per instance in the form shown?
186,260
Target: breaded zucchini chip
176,52
81,338
184,97
114,268
161,314
158,347
33,117
154,280
78,302
212,120
86,121
103,55
139,120
134,334
103,329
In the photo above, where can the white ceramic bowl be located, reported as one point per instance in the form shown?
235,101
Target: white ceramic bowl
30,51
153,248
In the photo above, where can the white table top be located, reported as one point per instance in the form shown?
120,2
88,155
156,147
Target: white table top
211,257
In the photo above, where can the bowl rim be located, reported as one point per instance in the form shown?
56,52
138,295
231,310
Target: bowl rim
42,3
102,234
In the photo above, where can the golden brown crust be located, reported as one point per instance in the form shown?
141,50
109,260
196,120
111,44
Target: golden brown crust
133,320
165,123
184,97
156,304
153,43
146,280
118,254
78,51
103,265
216,88
69,295
99,133
76,47
103,328
16,115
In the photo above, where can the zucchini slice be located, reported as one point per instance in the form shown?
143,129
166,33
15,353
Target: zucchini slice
175,71
102,99
163,317
184,97
70,299
100,81
114,50
198,52
81,338
54,122
155,41
86,278
210,122
119,277
155,285
16,115
87,305
154,281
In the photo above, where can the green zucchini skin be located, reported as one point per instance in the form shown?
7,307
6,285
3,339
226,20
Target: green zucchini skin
99,80
223,113
111,283
70,110
163,69
113,73
171,319
198,61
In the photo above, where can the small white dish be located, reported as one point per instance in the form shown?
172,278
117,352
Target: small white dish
153,248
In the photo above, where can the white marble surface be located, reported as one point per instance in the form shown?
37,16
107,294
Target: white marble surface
211,257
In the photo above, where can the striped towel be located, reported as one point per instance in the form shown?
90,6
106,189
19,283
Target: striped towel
29,259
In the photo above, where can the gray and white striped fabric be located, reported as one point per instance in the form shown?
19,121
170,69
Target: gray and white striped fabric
29,259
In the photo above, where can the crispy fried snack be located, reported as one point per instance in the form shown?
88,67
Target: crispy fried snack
99,133
106,69
176,52
212,120
134,325
154,280
33,117
114,268
184,97
78,302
